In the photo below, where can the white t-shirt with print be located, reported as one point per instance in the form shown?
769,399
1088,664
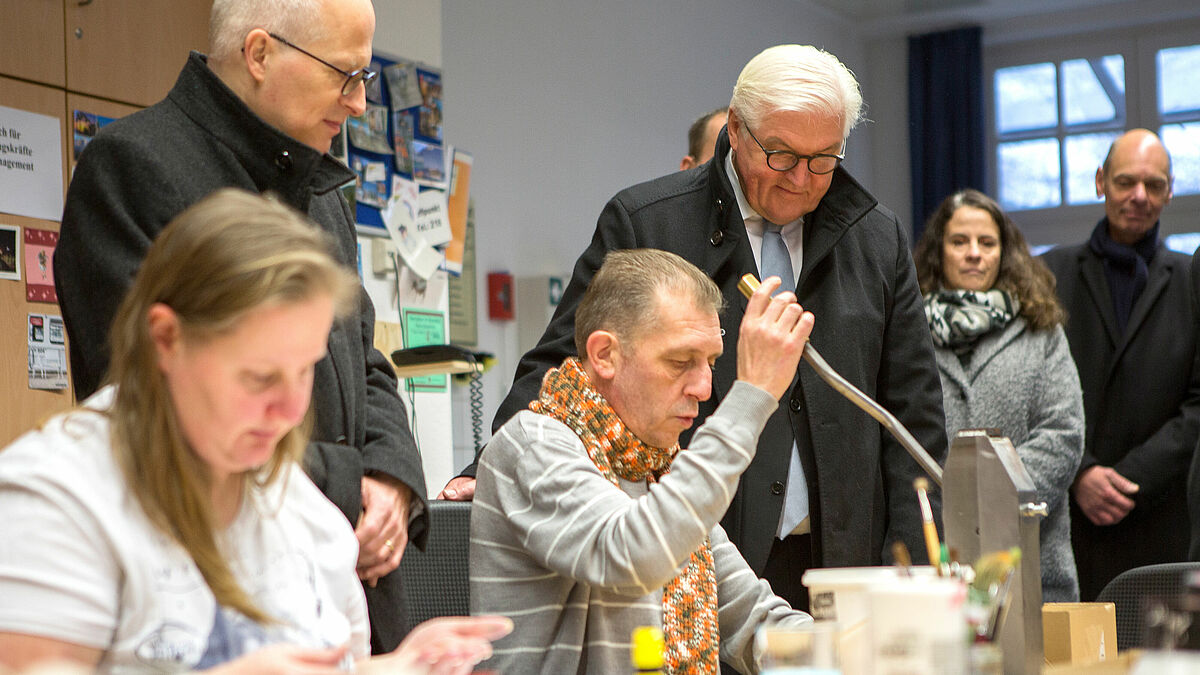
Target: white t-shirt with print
80,562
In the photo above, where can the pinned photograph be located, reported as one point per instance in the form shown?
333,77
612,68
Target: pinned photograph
85,125
372,187
10,252
402,85
368,131
430,112
402,139
429,164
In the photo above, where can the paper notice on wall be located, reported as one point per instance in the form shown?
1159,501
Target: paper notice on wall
400,218
31,171
432,223
456,209
47,352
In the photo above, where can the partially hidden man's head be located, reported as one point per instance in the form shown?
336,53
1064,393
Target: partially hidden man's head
648,332
298,64
702,138
790,100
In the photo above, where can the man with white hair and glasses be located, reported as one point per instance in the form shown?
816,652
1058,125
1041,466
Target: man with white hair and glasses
828,486
259,112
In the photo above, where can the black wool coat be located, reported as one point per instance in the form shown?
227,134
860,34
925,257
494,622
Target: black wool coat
142,170
859,281
1141,400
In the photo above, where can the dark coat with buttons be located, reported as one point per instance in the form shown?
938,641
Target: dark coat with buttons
1141,400
858,279
141,171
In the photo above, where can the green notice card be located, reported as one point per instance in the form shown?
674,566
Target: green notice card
424,327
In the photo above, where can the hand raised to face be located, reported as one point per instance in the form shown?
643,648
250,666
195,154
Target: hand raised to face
772,337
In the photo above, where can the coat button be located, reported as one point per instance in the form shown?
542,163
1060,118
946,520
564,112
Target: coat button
777,488
716,238
284,160
795,404
720,205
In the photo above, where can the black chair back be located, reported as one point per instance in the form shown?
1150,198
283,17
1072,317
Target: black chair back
1141,591
435,580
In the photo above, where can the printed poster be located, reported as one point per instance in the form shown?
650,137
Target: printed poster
39,265
47,352
425,327
31,164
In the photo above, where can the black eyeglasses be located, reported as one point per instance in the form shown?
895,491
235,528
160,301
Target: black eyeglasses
352,78
786,160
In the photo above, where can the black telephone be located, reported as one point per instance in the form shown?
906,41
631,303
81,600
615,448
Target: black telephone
431,354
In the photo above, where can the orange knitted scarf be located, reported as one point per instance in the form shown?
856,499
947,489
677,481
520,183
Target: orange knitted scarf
690,599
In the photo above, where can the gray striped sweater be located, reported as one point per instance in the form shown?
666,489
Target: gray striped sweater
578,562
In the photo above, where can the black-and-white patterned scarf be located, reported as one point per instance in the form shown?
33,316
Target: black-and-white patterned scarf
958,318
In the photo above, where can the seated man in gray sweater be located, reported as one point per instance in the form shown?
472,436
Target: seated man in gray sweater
590,521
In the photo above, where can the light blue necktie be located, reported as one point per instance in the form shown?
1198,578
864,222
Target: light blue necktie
776,261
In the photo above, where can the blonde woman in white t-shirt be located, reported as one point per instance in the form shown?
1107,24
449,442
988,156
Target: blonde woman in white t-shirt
166,523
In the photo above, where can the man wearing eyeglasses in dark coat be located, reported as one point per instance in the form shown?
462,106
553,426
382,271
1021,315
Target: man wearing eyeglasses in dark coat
828,487
259,112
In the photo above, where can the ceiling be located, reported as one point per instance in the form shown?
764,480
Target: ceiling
901,16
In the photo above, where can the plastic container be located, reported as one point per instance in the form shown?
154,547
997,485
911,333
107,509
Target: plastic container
918,625
843,594
840,593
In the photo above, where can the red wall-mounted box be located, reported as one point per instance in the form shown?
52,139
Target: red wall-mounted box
500,296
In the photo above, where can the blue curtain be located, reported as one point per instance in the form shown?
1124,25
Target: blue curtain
945,113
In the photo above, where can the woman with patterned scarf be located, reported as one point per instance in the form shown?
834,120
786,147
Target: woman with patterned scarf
998,338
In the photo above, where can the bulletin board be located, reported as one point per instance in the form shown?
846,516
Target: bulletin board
23,407
400,133
28,316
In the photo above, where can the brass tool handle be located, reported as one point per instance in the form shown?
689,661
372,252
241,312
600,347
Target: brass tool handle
747,285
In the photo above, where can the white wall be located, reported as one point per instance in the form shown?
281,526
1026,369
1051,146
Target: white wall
563,103
885,89
411,29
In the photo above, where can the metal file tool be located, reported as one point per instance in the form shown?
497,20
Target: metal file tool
747,286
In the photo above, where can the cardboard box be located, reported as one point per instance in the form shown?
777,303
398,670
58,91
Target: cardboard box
1079,633
1122,664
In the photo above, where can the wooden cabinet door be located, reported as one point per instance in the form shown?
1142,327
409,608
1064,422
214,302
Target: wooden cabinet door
31,46
23,408
131,50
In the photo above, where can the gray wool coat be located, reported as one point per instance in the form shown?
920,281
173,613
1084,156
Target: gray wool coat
1024,383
